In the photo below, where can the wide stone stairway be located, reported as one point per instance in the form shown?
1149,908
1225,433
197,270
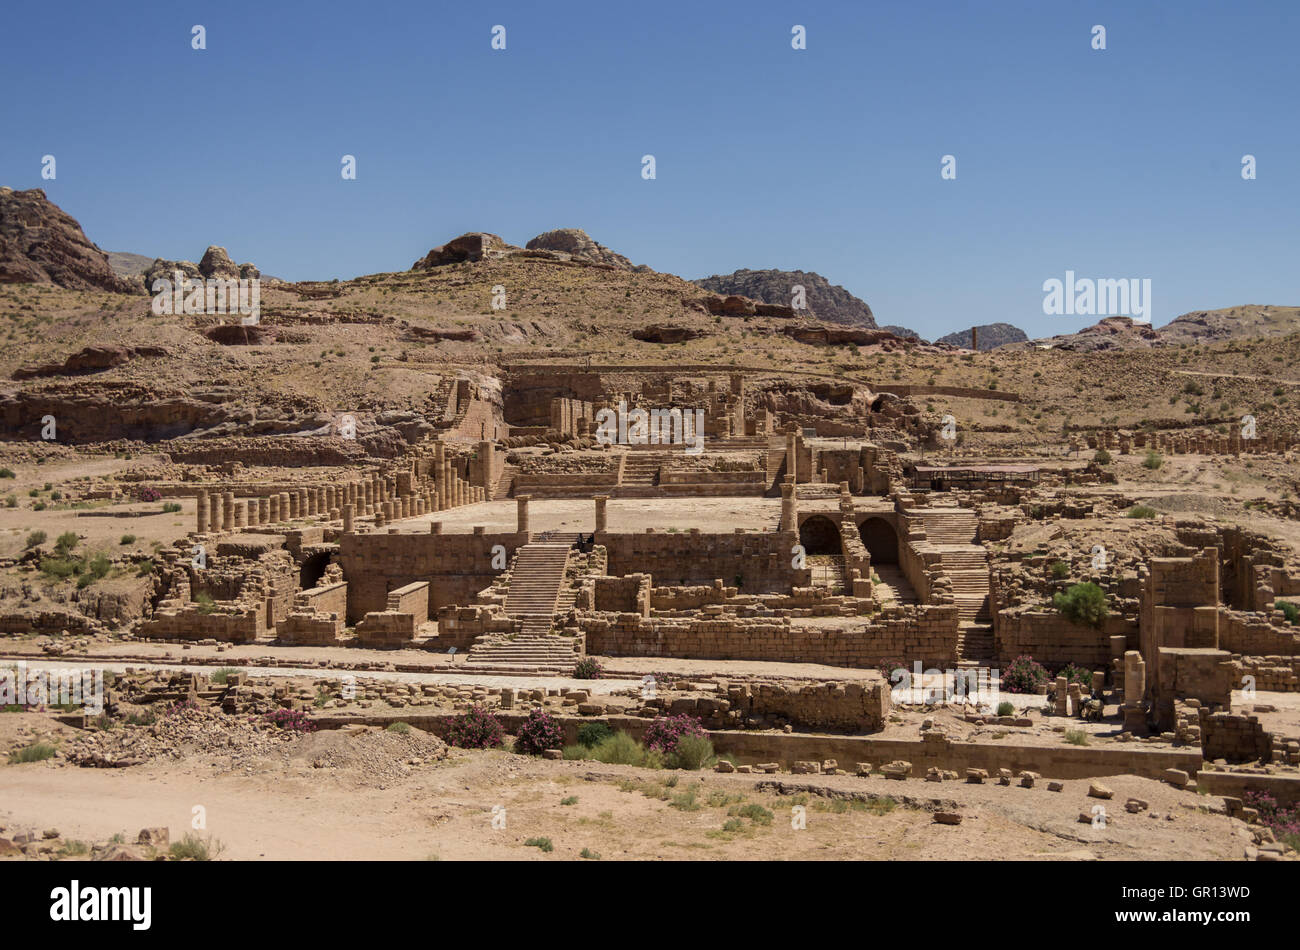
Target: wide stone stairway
536,577
953,531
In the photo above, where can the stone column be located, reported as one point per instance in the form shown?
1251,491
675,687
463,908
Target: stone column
521,509
264,511
214,511
1062,696
601,514
238,512
273,505
203,512
348,515
789,507
791,455
227,511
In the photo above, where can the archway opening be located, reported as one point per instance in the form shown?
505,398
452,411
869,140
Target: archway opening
880,539
819,535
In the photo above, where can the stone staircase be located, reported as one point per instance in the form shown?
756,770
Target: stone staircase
536,577
506,483
953,531
641,469
975,644
893,586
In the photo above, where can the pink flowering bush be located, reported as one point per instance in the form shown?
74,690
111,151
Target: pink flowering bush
476,729
587,669
1024,675
538,733
1285,822
666,731
290,719
145,493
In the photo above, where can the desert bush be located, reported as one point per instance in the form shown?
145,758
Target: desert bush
1006,708
66,542
619,749
1024,675
1153,460
476,729
665,732
1142,511
1076,737
1076,674
1083,604
538,733
400,728
36,752
1289,610
542,843
1060,570
692,753
1102,457
194,848
593,733
128,539
34,540
587,669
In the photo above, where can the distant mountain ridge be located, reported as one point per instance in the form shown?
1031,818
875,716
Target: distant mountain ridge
826,301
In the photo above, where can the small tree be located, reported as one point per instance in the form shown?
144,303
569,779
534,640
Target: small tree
1083,604
1024,675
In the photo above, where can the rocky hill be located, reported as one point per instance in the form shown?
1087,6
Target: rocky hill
125,264
1249,321
826,301
903,332
992,335
41,244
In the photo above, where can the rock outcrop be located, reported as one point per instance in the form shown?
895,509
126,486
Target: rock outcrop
215,265
825,301
42,244
578,245
473,246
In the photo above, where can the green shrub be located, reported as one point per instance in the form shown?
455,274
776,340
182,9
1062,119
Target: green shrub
619,749
593,733
1153,460
400,728
60,567
205,602
1083,604
222,676
128,539
543,843
1006,708
34,540
589,854
1102,457
692,753
1142,511
1292,611
7,473
1076,737
1060,570
171,507
1077,674
66,542
36,752
194,848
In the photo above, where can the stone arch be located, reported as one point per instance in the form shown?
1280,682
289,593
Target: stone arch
313,569
820,535
880,539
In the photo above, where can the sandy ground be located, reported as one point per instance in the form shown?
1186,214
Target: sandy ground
290,810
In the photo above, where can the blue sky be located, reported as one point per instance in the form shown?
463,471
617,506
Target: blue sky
1122,163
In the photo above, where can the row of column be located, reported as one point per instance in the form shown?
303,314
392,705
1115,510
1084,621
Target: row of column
386,498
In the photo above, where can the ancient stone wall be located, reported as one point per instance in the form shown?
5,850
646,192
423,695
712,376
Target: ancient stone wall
752,561
924,633
457,566
1054,641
